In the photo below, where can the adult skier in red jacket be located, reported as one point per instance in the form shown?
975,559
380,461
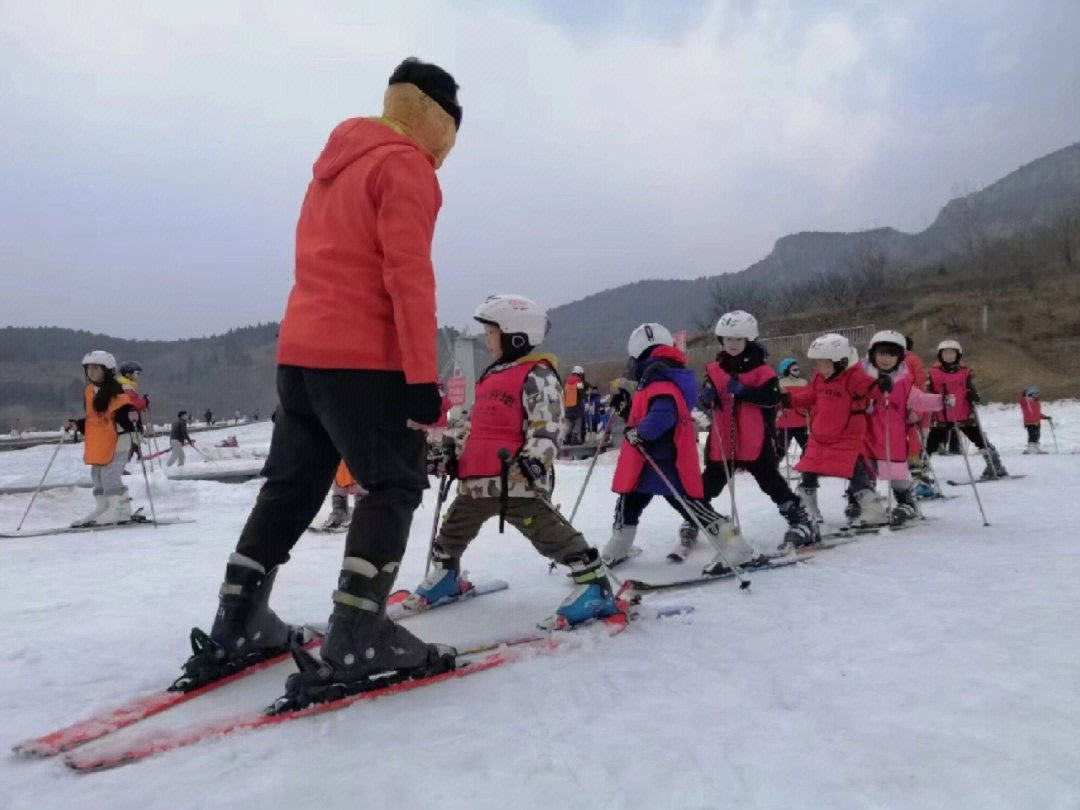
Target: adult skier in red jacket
356,376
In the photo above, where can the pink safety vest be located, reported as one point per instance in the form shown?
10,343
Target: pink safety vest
631,463
749,426
955,383
496,421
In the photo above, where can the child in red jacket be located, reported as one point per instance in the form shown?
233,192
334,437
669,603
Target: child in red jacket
1031,413
837,400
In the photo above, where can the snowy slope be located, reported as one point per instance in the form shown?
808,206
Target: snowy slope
933,668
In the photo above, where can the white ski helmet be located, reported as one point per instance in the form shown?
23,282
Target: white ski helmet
834,347
737,324
891,337
99,358
950,344
646,336
577,370
520,319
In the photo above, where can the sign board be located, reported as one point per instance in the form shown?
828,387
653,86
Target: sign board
455,390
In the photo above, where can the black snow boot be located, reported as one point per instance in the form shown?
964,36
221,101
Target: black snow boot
905,510
364,649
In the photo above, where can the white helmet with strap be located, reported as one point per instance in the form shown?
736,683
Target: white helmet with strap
835,348
646,336
519,318
99,358
737,324
950,344
890,337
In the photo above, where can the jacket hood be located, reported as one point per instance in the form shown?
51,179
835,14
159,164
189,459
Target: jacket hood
666,369
751,357
354,138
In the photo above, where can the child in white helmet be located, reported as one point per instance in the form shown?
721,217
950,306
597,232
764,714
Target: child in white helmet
741,393
893,401
108,426
836,398
950,376
517,412
661,432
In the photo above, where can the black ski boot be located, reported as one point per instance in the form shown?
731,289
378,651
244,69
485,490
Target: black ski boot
994,468
339,513
364,649
905,510
802,531
245,632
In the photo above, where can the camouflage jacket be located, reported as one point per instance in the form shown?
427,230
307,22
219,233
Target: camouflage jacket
542,401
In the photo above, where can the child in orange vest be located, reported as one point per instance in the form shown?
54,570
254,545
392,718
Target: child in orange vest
517,413
1031,413
108,426
344,485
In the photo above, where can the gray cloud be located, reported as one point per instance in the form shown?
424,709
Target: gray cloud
155,159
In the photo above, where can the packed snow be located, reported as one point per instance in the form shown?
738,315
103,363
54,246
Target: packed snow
937,667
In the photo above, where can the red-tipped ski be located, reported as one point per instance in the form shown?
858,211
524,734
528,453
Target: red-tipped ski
477,659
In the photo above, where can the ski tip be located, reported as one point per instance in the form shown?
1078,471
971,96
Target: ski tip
34,749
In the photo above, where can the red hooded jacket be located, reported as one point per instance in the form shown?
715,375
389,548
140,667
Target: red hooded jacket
837,421
364,296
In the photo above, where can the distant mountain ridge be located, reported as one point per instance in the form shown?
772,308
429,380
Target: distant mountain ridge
1035,194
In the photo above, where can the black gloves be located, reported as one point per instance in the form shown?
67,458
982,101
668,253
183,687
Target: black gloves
884,382
423,403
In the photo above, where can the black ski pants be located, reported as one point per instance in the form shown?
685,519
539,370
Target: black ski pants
326,416
628,509
765,469
942,432
1033,432
784,436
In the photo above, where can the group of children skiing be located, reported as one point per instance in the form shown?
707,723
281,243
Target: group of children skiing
860,420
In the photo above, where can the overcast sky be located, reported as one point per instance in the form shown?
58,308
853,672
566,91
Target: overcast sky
153,156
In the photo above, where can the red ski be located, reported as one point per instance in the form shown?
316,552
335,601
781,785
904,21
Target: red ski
132,711
110,754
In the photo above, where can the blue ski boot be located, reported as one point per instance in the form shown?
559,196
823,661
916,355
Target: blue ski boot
442,582
591,599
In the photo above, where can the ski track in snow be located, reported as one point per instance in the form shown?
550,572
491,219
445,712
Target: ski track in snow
937,667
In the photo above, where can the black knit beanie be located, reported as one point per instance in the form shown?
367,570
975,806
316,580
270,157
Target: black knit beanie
433,81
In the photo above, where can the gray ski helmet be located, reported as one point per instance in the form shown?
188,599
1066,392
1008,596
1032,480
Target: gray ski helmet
129,367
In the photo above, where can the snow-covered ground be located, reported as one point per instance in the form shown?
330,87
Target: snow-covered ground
932,668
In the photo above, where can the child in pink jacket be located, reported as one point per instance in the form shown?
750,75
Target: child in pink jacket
891,401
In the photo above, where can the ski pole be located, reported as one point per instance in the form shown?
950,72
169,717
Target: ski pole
888,459
744,581
992,458
729,468
149,496
1053,435
504,485
42,481
444,490
971,478
601,442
